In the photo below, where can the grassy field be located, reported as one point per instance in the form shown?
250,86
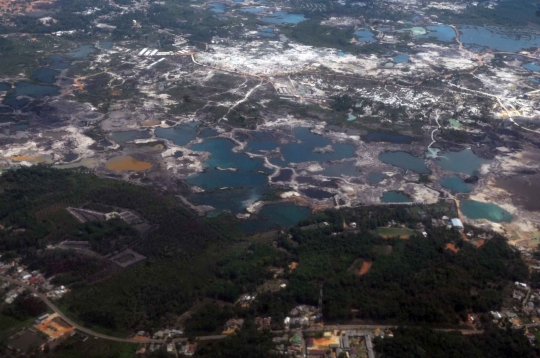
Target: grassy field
93,348
388,232
10,325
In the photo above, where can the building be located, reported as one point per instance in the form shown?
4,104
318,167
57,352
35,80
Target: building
233,325
457,224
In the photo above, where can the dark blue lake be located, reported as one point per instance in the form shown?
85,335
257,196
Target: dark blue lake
465,162
81,52
276,216
365,35
30,90
221,156
304,151
498,40
128,136
107,45
456,184
59,62
405,160
179,135
347,168
395,197
45,75
376,178
386,137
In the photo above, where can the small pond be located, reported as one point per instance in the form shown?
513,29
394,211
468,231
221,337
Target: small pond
128,136
395,197
531,66
365,35
81,52
401,58
281,17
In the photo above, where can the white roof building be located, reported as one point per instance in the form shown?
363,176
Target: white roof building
457,223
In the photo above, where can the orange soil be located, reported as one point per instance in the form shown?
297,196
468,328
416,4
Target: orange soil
480,243
366,266
26,158
324,343
150,123
54,326
127,163
293,266
79,84
21,6
452,248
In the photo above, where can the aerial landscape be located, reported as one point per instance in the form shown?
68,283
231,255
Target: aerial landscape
269,178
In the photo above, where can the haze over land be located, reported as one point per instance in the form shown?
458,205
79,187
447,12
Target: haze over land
172,167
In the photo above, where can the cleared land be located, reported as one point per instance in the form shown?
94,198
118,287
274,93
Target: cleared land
389,232
452,248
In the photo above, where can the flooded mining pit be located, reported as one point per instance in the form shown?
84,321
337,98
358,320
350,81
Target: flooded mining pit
299,163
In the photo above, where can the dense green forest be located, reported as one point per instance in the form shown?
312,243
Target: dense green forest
415,280
493,343
190,262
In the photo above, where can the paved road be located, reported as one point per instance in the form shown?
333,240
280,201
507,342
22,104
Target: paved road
206,338
93,333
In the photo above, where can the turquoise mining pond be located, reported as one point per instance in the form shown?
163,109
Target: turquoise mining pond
281,17
465,162
442,33
489,211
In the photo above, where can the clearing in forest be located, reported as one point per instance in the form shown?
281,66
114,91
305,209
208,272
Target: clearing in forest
391,232
452,248
366,266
